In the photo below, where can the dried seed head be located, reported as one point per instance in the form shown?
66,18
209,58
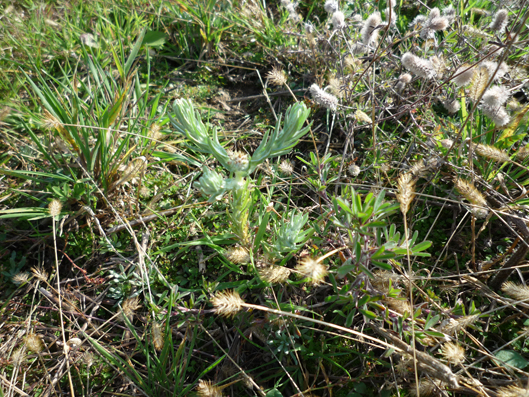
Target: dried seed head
427,388
493,69
492,153
21,278
354,170
88,359
452,105
55,207
417,21
522,153
206,388
399,305
154,132
157,336
449,13
513,391
455,325
369,32
500,21
498,114
336,87
338,20
238,255
421,67
439,65
277,76
128,307
312,269
446,143
323,98
469,191
274,274
406,191
519,292
51,122
453,353
40,273
463,75
480,79
404,366
227,303
286,167
439,23
34,343
18,356
74,343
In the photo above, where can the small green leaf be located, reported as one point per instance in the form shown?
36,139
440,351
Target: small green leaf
510,358
154,39
274,393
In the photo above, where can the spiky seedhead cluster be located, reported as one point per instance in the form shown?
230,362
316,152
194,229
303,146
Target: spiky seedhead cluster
238,255
34,343
227,303
21,278
18,356
277,76
206,388
55,207
50,122
369,31
312,269
40,273
157,336
491,152
453,353
500,21
362,117
519,292
427,388
493,105
406,191
338,20
323,98
453,326
274,274
419,66
473,195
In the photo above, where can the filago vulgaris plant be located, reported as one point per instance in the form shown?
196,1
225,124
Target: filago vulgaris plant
238,166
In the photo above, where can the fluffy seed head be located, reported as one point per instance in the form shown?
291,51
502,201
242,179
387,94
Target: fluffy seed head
500,21
522,153
21,278
286,167
439,23
491,67
406,191
157,336
456,325
277,76
497,114
469,191
51,122
426,388
453,353
274,274
496,96
18,356
354,170
452,105
519,292
55,207
227,303
417,21
331,6
338,20
369,32
238,255
420,67
312,269
88,359
463,75
449,13
405,78
323,98
446,143
206,388
439,65
492,153
34,343
479,81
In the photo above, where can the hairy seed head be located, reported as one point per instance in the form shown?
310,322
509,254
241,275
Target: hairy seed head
55,207
452,105
206,388
238,255
277,76
492,153
157,336
369,32
453,353
274,274
513,391
34,343
500,21
338,20
516,291
354,170
469,191
128,307
227,303
406,191
323,98
312,269
419,66
18,356
463,75
40,273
